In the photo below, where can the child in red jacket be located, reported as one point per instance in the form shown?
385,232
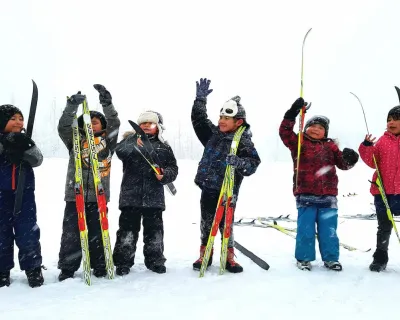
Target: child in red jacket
387,152
316,186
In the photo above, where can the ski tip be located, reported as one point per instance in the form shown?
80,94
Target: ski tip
132,123
398,91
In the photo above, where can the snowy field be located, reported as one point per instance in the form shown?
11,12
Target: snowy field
283,292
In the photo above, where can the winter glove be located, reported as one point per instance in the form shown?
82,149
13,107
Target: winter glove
235,161
350,156
104,95
15,144
76,99
293,112
17,141
202,90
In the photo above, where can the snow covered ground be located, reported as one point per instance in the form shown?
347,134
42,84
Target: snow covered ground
283,292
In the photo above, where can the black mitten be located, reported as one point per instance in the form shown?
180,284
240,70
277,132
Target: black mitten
104,95
76,99
350,156
293,112
17,141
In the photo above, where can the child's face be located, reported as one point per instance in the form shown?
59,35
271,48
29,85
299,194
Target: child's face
15,124
149,127
393,126
229,124
96,124
316,131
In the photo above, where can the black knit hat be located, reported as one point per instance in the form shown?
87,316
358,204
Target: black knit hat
7,111
394,113
94,114
321,120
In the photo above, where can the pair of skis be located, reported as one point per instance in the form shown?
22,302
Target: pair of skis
100,195
152,158
291,232
226,204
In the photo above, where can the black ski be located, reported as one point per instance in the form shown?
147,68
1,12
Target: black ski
29,128
257,260
153,159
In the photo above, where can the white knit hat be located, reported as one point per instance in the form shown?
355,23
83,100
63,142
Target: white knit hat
233,108
153,117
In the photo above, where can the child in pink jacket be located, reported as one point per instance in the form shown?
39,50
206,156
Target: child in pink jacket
387,154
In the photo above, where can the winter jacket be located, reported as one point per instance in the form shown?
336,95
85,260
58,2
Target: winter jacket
318,158
9,172
212,166
387,155
105,146
140,187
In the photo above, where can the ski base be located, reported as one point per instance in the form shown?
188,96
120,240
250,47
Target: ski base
257,260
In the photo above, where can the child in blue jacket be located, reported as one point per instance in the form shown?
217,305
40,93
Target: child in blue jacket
217,141
16,150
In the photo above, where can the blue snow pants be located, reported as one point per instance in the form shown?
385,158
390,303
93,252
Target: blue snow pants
326,220
21,229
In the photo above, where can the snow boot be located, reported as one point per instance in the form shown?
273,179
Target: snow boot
380,261
333,265
158,269
303,265
122,271
5,279
35,277
199,261
65,274
100,272
231,265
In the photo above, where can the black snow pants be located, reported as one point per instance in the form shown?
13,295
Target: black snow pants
384,224
128,235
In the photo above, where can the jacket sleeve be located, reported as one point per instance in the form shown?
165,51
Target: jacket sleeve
113,124
288,137
339,161
65,125
203,127
170,168
249,154
125,147
367,153
33,156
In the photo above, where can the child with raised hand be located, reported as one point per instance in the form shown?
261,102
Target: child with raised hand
16,150
316,186
386,151
217,141
105,127
142,196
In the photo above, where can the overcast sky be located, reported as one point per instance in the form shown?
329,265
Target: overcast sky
150,53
